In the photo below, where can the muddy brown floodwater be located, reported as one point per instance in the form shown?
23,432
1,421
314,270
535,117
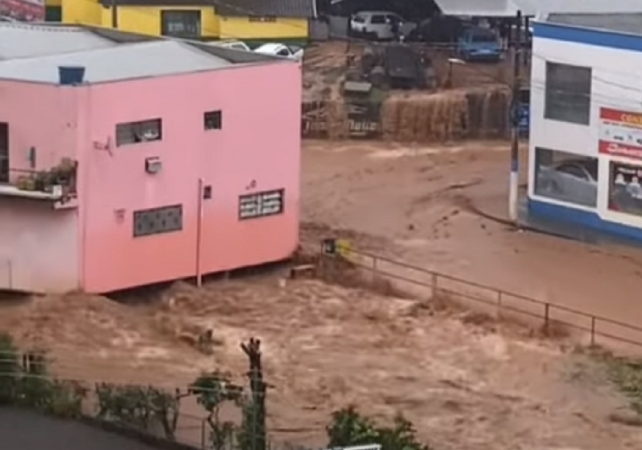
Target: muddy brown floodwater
325,347
411,198
466,386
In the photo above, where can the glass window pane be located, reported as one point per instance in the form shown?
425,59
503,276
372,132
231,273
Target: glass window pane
566,177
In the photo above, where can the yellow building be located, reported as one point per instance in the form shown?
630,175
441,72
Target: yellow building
252,21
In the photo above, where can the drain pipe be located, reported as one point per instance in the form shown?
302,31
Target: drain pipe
199,235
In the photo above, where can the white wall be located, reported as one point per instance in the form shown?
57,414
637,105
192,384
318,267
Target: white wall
38,246
616,83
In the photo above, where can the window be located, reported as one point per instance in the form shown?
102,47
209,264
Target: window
284,52
261,204
378,19
262,19
4,152
566,177
568,93
158,220
482,35
392,18
359,19
625,192
213,120
181,23
136,132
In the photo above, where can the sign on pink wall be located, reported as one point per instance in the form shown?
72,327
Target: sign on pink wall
23,10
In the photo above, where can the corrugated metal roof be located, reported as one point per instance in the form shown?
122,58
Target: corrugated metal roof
27,41
626,23
484,8
539,8
279,8
149,59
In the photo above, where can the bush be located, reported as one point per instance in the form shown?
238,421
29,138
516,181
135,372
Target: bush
25,381
144,408
349,427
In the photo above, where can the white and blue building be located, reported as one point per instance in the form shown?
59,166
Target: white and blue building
585,151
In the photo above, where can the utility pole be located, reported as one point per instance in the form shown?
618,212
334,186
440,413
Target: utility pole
513,189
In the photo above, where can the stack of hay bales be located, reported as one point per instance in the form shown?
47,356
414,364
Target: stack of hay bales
337,119
446,116
425,117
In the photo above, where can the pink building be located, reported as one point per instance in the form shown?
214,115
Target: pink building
169,160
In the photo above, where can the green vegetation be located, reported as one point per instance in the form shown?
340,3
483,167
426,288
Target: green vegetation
627,375
25,382
349,427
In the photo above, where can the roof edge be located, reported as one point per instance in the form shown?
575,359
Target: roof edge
545,23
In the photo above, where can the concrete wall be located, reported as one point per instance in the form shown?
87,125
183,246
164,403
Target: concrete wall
38,247
257,150
615,60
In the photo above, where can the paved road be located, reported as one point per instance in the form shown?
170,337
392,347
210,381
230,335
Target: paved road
23,430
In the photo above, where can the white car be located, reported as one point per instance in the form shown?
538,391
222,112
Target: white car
379,24
234,45
281,50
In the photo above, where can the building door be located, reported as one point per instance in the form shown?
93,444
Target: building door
4,152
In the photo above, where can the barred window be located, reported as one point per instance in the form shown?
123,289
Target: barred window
261,204
136,132
158,220
177,23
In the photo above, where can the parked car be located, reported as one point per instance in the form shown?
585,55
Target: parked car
234,45
283,50
479,44
379,25
574,181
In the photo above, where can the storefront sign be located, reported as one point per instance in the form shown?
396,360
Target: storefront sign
620,133
23,10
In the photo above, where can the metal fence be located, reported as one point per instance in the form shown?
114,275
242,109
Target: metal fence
424,283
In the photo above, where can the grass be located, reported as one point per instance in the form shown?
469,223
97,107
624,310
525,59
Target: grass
626,375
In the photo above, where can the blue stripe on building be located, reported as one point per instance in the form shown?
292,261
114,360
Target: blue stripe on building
596,37
582,218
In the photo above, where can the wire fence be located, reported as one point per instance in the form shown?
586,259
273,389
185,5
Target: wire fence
151,413
552,318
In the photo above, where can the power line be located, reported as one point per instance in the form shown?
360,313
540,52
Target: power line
594,77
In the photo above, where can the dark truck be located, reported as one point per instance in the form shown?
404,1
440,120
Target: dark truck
404,68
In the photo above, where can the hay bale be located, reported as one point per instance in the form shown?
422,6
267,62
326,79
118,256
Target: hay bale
423,125
337,120
390,118
406,124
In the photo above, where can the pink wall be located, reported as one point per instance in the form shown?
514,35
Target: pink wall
260,142
38,246
41,116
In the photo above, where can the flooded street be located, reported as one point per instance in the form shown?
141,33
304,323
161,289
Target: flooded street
416,199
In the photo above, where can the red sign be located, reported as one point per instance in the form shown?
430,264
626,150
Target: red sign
23,10
620,133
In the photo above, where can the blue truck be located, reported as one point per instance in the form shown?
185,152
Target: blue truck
479,44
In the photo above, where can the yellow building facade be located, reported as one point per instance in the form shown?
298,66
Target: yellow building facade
250,20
